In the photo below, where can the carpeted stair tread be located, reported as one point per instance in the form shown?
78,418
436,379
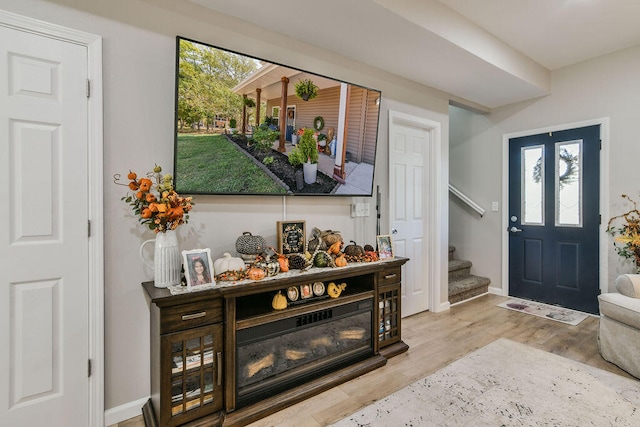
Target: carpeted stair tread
462,285
459,264
468,287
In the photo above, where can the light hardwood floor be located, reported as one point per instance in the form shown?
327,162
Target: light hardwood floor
436,340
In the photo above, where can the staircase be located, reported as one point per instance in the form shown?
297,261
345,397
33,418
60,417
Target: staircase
462,285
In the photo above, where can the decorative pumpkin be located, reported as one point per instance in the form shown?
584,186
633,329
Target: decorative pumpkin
335,248
334,290
282,260
279,301
270,266
340,261
354,250
368,248
249,244
228,263
322,259
255,273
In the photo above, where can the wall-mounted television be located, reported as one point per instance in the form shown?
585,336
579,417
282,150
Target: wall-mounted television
240,125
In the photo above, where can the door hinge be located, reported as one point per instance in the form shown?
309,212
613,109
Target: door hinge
88,367
600,219
89,228
88,88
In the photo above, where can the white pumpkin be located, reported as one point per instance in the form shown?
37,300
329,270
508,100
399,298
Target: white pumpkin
228,263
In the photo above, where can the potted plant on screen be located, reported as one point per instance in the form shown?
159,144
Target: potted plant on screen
306,154
306,89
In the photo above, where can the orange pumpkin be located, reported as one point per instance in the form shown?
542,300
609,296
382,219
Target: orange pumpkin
255,273
335,248
283,260
284,263
341,261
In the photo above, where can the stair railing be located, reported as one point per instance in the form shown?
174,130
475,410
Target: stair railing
460,195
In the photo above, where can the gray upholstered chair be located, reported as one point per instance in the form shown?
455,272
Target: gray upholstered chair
619,332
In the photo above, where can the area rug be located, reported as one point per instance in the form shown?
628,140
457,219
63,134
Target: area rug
508,384
559,314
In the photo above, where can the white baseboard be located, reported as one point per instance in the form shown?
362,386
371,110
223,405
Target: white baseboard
443,307
124,412
496,291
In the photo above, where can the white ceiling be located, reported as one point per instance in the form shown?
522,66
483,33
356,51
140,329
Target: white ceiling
489,52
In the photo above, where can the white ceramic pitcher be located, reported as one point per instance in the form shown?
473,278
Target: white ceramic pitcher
166,259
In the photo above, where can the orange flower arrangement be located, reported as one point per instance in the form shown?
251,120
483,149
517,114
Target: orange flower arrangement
160,211
628,234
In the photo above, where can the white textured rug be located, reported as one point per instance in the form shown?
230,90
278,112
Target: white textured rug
552,312
509,384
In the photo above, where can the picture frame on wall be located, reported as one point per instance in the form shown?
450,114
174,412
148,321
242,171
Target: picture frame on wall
291,237
198,268
385,246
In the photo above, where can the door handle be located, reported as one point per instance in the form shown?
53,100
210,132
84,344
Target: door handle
515,230
394,231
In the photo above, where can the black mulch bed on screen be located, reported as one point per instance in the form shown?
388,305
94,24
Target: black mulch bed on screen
282,169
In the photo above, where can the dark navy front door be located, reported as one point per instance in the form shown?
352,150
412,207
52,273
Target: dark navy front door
554,183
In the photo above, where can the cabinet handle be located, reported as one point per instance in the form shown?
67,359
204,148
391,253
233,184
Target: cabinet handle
194,315
219,359
390,276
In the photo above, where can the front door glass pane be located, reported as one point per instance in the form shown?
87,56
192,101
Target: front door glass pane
532,179
568,177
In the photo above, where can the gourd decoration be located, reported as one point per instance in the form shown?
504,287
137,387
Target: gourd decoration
255,273
270,266
330,237
340,261
335,248
354,250
248,244
228,263
279,301
322,239
282,260
334,290
368,248
322,259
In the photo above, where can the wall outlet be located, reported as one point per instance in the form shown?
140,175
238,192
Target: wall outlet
360,210
495,206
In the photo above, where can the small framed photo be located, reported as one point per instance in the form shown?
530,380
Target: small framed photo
318,289
291,237
198,268
292,293
305,291
385,247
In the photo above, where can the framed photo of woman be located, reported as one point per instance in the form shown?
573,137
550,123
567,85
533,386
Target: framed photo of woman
291,237
385,247
198,268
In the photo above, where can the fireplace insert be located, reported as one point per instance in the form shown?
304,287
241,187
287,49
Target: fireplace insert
277,355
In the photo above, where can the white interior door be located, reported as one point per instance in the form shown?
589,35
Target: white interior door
408,193
44,320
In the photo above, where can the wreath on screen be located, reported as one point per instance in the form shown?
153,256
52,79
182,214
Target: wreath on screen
318,123
567,176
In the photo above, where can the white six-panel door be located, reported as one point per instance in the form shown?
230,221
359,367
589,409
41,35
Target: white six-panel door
409,148
44,324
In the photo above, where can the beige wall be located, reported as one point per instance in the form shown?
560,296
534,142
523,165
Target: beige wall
138,68
603,87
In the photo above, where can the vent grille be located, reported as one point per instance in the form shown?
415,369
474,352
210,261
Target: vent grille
317,316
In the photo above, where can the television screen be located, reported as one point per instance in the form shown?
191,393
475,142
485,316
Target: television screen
247,126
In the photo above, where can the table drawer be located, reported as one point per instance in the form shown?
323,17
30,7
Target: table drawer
186,316
389,276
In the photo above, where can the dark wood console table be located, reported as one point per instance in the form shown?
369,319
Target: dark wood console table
194,348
